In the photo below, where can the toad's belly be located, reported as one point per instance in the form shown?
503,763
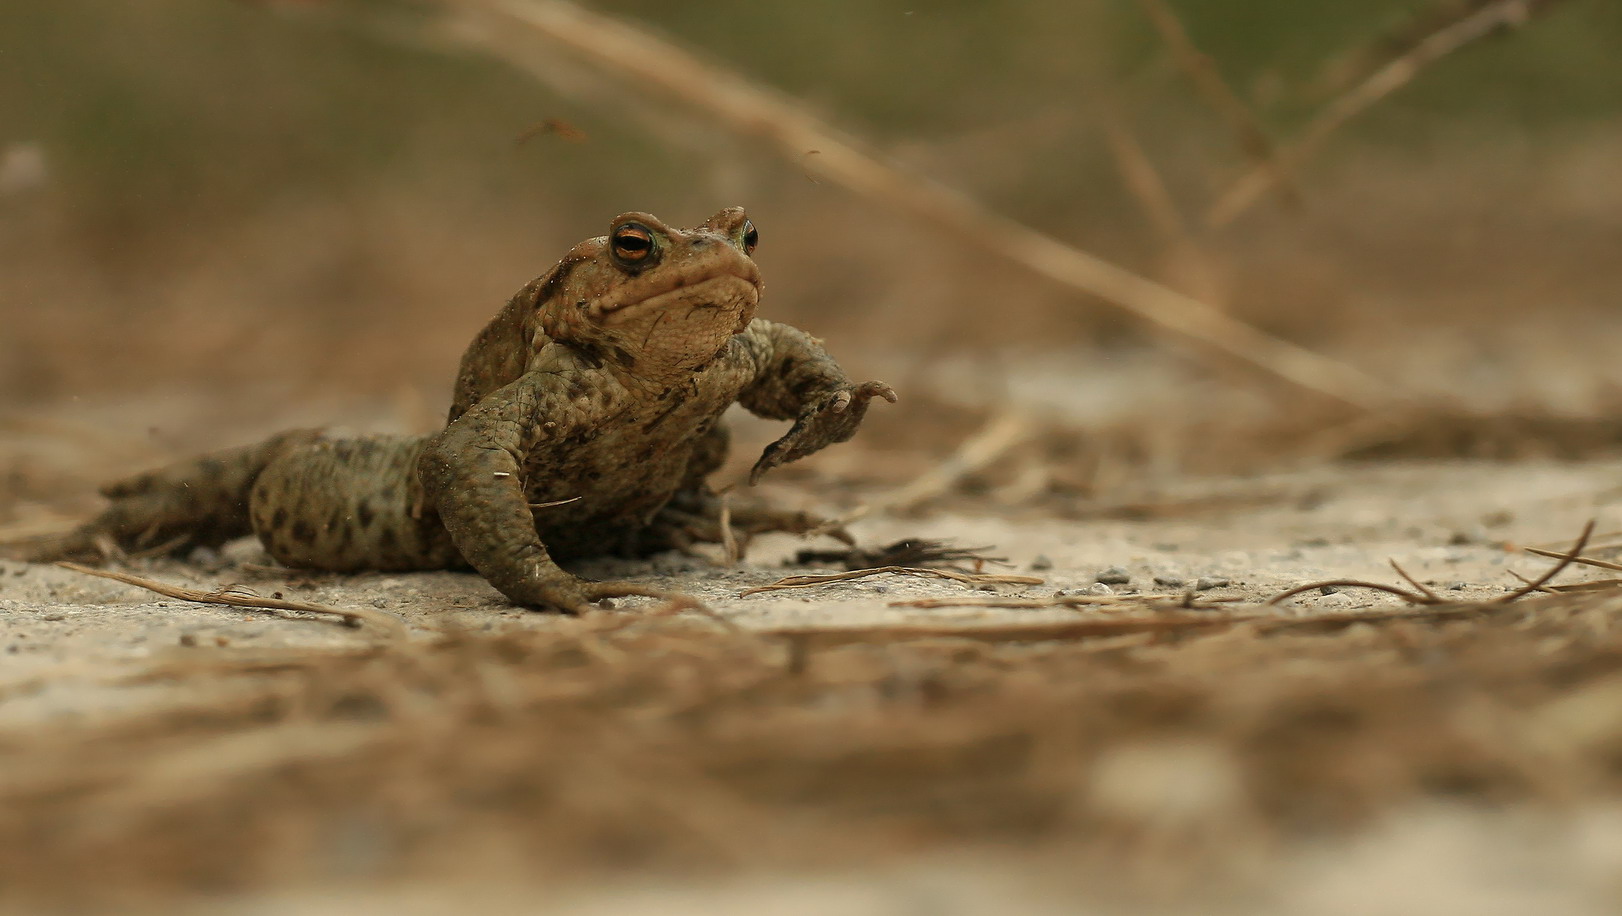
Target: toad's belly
592,495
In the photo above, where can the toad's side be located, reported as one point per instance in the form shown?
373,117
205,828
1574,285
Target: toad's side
589,403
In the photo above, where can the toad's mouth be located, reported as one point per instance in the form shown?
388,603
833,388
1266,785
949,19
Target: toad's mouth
729,293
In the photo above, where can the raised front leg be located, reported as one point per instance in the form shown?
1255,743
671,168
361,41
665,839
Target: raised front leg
796,379
472,471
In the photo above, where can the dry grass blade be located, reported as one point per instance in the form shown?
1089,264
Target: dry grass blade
812,581
1184,602
1207,78
386,624
729,538
1475,25
1005,431
827,637
1404,594
1596,585
1424,596
1565,561
643,62
1142,179
1582,561
1600,541
1434,598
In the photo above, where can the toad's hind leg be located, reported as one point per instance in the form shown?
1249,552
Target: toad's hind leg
350,504
201,502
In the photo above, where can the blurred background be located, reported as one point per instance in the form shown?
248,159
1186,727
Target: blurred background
219,218
333,196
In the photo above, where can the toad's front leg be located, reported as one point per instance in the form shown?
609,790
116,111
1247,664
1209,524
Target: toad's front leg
472,472
795,379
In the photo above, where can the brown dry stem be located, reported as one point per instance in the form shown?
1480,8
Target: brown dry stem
811,581
1185,602
1002,433
643,63
1203,72
1473,26
1565,561
387,625
1424,596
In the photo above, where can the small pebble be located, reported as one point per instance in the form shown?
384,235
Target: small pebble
188,640
1169,581
1338,599
1456,586
1099,588
1042,561
1328,589
380,602
1115,575
1206,583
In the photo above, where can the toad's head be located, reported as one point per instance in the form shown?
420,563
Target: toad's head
656,299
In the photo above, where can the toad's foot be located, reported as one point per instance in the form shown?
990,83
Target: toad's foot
830,419
577,596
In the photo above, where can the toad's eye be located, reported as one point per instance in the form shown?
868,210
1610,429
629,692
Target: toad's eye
751,237
632,243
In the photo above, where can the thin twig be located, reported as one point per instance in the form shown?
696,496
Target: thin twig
1251,139
1584,561
826,637
236,596
1142,179
1565,561
1546,589
1475,25
1003,432
555,502
729,539
1424,596
1182,602
1597,542
642,62
1189,266
1404,594
810,581
1593,585
1435,598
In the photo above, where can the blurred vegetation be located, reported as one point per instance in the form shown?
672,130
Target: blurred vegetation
173,108
167,121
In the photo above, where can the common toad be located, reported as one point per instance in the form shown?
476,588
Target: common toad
584,422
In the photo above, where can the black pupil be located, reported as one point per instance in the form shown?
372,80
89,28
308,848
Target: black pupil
632,242
751,237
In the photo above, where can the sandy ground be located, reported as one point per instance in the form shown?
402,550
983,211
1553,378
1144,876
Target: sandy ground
69,644
1455,526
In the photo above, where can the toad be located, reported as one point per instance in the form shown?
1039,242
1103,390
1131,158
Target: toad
584,422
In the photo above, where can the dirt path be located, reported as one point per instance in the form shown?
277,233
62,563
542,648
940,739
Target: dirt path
66,637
